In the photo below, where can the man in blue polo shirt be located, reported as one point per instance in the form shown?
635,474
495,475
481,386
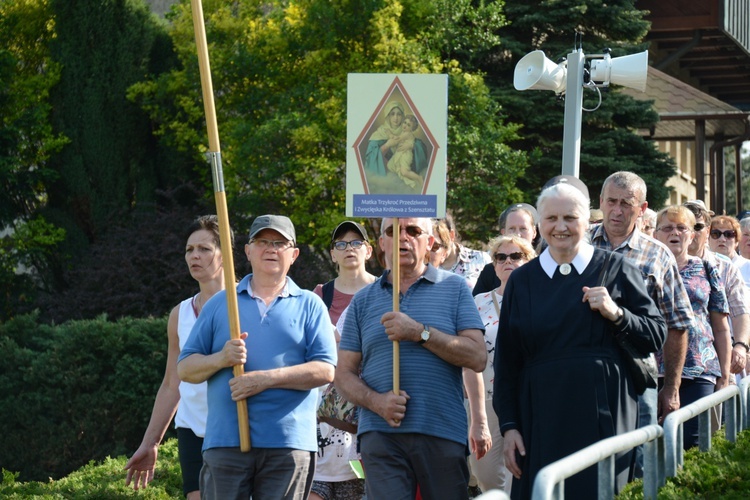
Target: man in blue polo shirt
417,437
287,348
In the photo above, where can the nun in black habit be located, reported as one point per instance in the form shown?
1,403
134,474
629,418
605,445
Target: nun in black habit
560,382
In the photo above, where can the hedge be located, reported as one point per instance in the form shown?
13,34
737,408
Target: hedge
76,392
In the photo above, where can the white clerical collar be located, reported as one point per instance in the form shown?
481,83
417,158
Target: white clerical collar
581,260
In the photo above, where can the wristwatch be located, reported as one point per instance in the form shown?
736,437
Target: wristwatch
425,335
743,344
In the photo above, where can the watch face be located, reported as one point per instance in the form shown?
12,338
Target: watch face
426,335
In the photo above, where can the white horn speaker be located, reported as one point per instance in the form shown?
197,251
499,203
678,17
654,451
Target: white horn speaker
535,72
628,71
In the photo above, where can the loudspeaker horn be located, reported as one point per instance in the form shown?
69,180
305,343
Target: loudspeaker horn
628,71
535,72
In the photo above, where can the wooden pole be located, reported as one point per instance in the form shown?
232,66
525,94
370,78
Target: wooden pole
214,155
396,276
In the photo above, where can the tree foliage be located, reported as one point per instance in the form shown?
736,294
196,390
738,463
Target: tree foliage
279,74
608,139
27,73
112,164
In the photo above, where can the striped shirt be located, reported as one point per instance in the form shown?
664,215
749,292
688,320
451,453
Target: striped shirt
660,273
438,299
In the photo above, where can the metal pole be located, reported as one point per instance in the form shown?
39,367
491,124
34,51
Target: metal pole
571,158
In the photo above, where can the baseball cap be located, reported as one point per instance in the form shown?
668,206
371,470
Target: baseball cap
699,205
279,223
571,180
349,225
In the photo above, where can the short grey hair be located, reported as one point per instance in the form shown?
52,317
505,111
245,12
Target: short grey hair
566,191
649,216
745,224
628,181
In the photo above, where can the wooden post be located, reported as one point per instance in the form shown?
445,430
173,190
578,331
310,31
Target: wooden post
396,276
221,204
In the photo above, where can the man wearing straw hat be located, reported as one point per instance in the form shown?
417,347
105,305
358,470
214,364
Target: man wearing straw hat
287,348
416,437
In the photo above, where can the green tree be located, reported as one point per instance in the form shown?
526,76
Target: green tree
608,139
112,163
27,74
279,74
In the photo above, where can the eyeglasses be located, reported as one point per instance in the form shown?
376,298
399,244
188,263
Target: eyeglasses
412,231
341,245
728,234
275,244
502,257
680,229
699,226
437,246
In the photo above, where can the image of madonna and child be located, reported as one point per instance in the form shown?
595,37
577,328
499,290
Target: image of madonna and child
394,147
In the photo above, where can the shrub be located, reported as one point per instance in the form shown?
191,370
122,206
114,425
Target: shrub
76,392
103,480
720,473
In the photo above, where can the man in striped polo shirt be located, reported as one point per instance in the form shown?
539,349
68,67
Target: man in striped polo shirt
416,437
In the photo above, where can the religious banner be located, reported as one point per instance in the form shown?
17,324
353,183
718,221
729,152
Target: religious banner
397,137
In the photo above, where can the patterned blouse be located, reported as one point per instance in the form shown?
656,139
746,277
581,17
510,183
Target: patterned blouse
491,318
706,292
469,264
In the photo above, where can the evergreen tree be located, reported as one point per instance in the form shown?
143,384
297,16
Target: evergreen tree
112,163
608,139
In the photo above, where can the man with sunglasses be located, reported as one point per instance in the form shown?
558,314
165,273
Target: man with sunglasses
737,293
416,437
287,349
623,201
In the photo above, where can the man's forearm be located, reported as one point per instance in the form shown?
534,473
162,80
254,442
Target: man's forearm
467,349
741,328
351,386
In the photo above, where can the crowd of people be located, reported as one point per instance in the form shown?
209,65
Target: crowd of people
509,358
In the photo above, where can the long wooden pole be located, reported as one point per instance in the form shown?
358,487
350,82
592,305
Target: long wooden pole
396,275
221,204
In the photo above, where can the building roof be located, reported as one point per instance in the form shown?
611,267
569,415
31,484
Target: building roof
679,105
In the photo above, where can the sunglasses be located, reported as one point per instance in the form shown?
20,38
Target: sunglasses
502,257
728,234
341,245
437,246
699,226
412,231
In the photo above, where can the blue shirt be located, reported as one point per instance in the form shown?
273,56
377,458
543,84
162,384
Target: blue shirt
293,330
439,299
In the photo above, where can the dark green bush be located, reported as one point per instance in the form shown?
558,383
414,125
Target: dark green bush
76,392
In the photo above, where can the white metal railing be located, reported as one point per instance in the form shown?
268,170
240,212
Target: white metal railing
745,405
662,446
550,481
673,424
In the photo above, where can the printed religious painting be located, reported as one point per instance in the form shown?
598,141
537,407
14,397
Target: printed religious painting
396,137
